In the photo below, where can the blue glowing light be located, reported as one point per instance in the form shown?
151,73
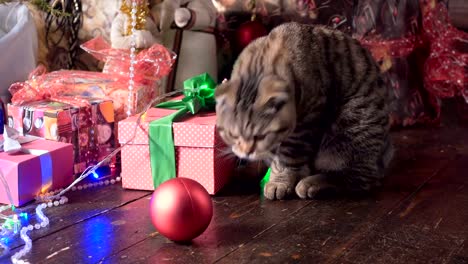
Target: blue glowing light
5,240
101,172
24,216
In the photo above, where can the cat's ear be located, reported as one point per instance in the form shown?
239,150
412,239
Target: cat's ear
274,93
225,93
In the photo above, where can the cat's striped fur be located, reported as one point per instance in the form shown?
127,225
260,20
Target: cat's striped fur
311,102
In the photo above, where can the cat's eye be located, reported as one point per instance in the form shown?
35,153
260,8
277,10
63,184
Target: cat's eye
281,130
230,134
260,137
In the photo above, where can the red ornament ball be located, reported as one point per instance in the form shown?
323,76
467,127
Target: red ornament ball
248,32
181,209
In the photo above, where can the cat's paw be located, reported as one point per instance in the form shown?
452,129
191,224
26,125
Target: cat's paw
277,190
310,186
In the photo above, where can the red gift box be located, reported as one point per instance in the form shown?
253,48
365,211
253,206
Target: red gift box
40,166
198,147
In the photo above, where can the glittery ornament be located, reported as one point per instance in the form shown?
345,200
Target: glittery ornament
141,11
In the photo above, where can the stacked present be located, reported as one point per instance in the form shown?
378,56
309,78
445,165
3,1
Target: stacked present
74,116
178,138
112,83
87,123
80,107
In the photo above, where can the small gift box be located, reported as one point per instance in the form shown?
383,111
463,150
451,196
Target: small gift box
87,84
39,166
87,123
171,143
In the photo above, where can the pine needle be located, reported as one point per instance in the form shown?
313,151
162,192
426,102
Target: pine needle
43,6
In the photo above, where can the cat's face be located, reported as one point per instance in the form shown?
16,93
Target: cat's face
254,120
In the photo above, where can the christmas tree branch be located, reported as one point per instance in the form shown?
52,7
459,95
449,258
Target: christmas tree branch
42,5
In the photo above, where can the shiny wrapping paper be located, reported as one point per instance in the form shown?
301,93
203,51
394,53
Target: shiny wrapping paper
66,83
152,64
446,69
391,30
87,123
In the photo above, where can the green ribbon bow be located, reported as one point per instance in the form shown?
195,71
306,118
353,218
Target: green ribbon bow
198,94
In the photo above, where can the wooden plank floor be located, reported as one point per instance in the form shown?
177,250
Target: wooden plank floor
419,216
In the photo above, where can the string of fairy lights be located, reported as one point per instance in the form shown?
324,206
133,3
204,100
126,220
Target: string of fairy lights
17,222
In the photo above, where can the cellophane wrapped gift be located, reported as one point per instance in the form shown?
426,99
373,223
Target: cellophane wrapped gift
87,123
40,166
392,32
112,84
151,66
75,83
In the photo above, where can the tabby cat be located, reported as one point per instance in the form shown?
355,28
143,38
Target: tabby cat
311,102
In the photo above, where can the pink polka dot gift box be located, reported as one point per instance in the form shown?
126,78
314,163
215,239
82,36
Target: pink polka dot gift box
199,151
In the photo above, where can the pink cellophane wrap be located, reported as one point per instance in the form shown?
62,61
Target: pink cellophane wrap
392,33
69,85
151,64
446,73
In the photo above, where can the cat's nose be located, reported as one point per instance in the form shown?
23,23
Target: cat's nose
247,147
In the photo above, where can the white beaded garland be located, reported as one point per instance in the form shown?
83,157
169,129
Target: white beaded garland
130,101
44,221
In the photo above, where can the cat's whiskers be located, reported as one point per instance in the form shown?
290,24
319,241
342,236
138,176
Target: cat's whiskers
225,152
